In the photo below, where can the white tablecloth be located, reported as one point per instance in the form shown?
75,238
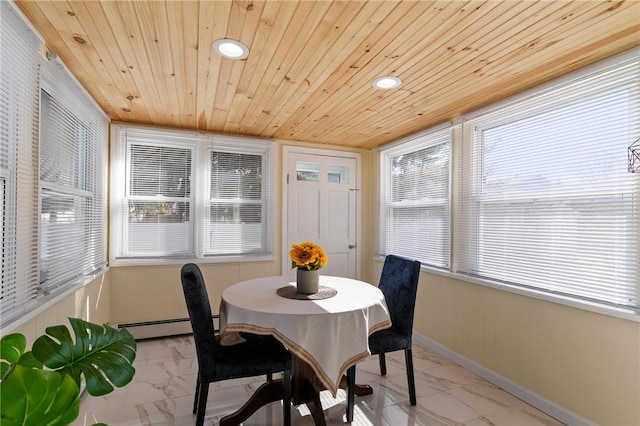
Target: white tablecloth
330,335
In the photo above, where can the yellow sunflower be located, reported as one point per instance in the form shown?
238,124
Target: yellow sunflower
307,255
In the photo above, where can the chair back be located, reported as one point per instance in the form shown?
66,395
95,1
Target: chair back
399,284
197,299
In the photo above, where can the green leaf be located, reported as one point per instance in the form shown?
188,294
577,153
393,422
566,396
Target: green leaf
12,346
103,354
28,360
38,397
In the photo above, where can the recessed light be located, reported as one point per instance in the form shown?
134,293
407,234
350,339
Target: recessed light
386,82
231,49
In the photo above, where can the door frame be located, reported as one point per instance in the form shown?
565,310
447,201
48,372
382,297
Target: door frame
290,149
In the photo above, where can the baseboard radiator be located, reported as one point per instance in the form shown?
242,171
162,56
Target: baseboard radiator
162,328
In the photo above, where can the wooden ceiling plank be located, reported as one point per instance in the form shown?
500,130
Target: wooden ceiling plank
305,21
370,65
390,23
440,20
92,14
349,42
451,61
336,23
467,84
575,30
152,20
138,69
61,41
274,22
213,21
597,51
125,22
441,54
243,22
183,25
453,77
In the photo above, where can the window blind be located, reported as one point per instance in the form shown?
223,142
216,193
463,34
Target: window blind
546,201
415,193
157,213
73,137
238,220
19,94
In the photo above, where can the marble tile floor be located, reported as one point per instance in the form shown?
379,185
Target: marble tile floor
162,390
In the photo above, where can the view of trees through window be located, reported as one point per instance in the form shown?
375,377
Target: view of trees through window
164,173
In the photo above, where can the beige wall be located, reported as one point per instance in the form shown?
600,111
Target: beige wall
151,293
585,362
90,303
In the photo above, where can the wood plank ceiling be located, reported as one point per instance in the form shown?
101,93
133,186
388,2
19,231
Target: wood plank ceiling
308,76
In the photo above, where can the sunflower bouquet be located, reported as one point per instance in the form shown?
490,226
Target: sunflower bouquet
308,256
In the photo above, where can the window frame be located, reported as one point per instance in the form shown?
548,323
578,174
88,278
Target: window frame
424,140
203,144
543,101
186,145
461,164
86,190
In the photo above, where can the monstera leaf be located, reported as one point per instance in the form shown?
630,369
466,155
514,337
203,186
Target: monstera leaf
34,397
100,352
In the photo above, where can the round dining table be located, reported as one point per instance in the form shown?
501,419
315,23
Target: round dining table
326,332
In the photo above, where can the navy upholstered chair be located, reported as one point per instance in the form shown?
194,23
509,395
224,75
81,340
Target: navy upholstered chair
399,284
259,355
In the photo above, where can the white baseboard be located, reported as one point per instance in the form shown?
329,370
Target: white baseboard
541,403
163,328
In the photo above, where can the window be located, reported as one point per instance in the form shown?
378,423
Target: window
19,95
180,195
73,135
414,215
158,200
236,202
546,200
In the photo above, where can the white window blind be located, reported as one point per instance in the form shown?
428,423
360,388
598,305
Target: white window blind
186,195
157,211
414,202
239,193
73,138
546,201
19,95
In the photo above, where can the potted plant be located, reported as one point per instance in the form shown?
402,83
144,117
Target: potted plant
308,258
42,386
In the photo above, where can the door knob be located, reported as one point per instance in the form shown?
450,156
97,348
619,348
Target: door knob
351,246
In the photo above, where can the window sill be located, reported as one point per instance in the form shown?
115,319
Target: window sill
159,261
602,309
46,302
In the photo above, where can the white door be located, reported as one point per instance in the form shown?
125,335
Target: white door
322,207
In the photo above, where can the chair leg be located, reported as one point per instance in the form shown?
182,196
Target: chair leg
195,398
408,357
351,386
383,364
202,403
286,400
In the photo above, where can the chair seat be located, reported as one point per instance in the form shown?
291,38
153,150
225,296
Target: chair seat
388,340
258,356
